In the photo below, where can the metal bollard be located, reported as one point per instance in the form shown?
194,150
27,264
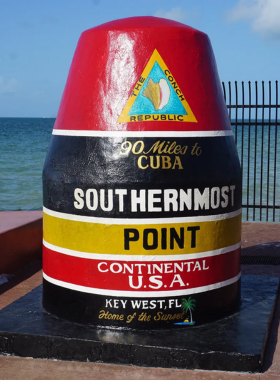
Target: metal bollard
142,183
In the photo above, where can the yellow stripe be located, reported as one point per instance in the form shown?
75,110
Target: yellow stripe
109,238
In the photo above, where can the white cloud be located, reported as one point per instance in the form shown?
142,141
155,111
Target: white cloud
264,16
176,14
8,86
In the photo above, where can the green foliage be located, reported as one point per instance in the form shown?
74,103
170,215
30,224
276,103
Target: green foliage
188,304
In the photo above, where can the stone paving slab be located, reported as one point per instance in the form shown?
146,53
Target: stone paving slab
254,234
39,369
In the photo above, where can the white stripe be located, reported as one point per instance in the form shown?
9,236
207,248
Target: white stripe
150,258
119,293
67,132
146,221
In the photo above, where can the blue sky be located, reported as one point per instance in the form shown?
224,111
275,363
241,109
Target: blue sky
38,39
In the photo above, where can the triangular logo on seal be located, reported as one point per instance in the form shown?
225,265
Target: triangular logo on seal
156,96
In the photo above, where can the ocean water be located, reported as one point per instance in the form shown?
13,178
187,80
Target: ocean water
23,146
257,148
24,143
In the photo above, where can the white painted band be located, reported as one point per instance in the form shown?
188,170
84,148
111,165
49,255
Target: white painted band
146,221
142,258
68,132
133,294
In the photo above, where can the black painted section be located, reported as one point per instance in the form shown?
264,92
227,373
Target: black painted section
86,308
236,343
96,163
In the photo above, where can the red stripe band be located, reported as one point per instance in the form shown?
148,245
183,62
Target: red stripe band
149,278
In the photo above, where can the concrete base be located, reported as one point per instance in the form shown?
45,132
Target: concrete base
236,343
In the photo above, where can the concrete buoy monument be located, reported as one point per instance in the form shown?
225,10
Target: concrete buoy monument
142,183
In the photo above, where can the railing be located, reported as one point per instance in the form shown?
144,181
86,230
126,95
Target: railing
254,115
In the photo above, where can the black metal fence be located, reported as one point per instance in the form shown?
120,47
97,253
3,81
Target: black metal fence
254,114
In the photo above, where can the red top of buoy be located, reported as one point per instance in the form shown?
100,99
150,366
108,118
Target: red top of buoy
141,23
143,74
